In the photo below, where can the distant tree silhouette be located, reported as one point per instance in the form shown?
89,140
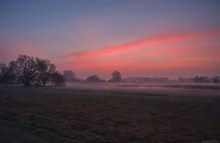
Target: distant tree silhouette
116,76
201,79
25,69
57,79
93,78
29,70
69,75
182,79
216,79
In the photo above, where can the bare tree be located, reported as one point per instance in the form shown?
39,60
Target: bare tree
6,75
25,69
57,79
44,70
116,76
3,71
93,78
201,79
216,79
29,70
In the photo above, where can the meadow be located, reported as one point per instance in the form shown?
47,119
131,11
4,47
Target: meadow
111,113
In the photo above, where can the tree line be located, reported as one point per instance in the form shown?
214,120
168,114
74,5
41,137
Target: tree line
195,79
70,76
29,70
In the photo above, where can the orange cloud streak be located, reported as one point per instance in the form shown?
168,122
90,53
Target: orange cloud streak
142,43
96,59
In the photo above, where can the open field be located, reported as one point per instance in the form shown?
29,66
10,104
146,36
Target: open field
105,113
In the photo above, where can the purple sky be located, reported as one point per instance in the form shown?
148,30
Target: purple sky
137,37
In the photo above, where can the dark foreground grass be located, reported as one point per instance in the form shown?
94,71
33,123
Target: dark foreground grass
100,116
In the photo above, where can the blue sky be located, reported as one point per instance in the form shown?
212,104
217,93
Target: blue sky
55,29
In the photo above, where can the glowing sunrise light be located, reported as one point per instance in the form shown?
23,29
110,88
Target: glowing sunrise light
130,36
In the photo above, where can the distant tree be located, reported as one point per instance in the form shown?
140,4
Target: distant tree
57,79
69,75
25,69
93,78
201,79
44,70
116,76
182,79
102,80
216,79
163,79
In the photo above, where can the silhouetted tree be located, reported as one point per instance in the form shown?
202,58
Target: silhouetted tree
29,70
216,79
25,69
182,79
102,80
57,79
3,72
201,79
116,76
93,78
6,75
44,70
69,75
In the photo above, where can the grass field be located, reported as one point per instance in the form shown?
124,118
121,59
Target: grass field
110,114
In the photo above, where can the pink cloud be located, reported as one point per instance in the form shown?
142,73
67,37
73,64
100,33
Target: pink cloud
96,59
143,43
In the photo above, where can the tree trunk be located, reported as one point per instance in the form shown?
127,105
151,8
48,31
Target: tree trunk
44,83
27,83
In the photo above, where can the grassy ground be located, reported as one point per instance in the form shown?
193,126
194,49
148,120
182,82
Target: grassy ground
78,115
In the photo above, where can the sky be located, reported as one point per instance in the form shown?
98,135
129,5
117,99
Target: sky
164,38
